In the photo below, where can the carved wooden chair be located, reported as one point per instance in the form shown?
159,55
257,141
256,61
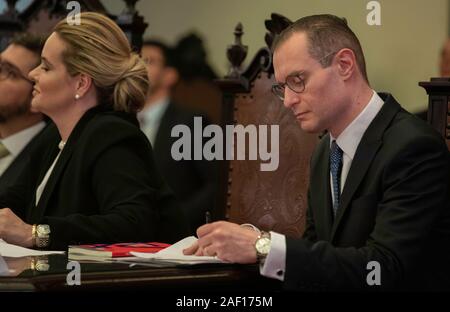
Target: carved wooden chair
272,200
42,15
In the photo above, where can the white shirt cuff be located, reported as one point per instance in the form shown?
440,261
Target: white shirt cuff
275,264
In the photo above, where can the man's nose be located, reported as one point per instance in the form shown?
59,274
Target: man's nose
290,98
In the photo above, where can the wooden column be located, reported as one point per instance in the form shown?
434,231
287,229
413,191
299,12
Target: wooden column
438,90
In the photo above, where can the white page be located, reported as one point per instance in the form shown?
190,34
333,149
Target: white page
9,250
175,254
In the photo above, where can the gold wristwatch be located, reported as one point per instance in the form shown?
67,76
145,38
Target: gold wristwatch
39,263
41,235
262,246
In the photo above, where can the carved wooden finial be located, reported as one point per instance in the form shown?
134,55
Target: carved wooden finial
132,24
275,26
236,52
238,32
11,11
131,6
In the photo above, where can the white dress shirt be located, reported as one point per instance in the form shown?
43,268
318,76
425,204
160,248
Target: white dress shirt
41,187
150,118
16,143
348,141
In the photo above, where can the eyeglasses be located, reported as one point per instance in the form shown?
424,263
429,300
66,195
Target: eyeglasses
295,82
9,72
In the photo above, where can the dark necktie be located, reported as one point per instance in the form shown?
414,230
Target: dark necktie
336,169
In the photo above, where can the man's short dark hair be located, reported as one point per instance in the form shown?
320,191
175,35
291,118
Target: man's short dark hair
326,34
33,42
167,52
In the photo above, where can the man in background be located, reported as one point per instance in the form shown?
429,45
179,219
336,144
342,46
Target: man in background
444,64
193,181
18,124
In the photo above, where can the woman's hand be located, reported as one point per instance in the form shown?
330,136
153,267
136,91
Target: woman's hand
13,230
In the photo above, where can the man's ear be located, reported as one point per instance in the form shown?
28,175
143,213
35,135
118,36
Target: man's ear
346,62
84,83
171,76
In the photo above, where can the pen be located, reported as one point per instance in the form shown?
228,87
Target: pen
207,217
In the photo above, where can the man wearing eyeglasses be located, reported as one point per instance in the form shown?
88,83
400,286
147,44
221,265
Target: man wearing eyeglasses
378,202
18,125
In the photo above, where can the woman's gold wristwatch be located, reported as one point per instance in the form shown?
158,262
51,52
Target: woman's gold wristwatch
41,235
39,263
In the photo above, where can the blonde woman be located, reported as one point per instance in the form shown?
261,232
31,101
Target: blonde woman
95,181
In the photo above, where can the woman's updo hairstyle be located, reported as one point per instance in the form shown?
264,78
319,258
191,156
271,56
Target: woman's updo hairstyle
98,48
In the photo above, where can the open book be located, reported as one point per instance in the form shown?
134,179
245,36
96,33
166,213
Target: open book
108,251
174,254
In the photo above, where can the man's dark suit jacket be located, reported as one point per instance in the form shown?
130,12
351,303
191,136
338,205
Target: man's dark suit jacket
193,181
104,187
394,209
11,174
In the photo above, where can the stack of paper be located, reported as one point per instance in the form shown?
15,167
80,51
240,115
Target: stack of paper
175,254
9,250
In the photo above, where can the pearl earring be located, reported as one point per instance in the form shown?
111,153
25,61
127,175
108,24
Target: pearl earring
77,96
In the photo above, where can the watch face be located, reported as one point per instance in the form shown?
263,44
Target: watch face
43,229
263,245
42,266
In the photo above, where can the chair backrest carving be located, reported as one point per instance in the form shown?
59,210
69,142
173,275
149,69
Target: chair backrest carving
272,200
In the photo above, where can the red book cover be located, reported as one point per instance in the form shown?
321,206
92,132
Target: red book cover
114,250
